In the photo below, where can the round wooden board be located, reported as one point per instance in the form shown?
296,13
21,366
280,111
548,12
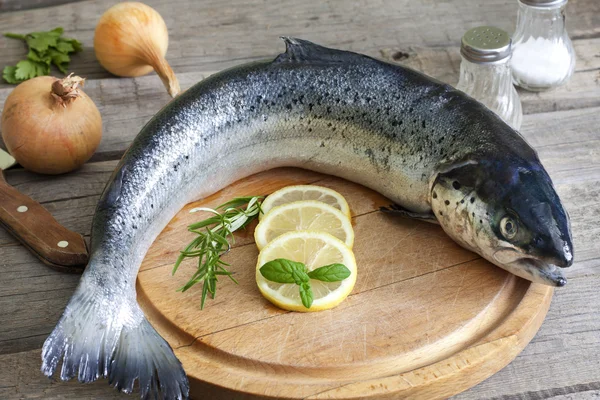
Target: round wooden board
426,319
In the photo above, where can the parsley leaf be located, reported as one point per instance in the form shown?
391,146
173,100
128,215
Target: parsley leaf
8,74
35,56
65,47
68,45
45,48
15,36
27,69
59,59
41,42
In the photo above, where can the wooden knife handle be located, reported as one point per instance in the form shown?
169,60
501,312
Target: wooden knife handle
36,228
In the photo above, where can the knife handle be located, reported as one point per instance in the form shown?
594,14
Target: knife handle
36,228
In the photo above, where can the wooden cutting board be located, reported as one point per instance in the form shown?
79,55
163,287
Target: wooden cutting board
426,319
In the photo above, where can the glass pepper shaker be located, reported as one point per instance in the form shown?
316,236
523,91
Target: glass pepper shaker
543,55
485,72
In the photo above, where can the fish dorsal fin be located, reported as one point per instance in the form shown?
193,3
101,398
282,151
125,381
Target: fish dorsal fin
299,51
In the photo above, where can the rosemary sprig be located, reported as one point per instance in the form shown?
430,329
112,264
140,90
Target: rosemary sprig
215,236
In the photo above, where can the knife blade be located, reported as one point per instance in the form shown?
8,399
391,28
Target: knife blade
36,228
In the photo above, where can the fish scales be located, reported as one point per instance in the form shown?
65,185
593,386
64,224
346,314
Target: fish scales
390,128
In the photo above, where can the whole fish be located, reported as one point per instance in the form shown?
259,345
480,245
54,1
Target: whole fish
436,153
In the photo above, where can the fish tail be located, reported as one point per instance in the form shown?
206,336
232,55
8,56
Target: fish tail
93,343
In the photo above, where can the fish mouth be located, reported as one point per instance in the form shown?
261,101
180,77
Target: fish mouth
544,272
530,268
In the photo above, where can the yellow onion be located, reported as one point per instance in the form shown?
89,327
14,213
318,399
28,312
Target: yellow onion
131,39
50,125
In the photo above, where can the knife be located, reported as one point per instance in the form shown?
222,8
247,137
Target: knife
29,222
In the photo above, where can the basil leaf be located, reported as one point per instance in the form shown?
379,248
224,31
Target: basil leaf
300,275
283,271
330,273
306,294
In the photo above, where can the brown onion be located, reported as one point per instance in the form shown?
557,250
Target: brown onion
131,39
50,125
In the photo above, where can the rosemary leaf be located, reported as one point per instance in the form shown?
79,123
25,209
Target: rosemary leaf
214,239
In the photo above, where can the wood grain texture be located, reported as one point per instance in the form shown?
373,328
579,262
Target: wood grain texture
565,142
16,5
455,318
33,297
127,104
30,223
248,29
562,362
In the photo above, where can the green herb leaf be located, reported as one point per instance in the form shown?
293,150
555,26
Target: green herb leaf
56,32
14,36
8,74
330,273
306,294
287,271
214,238
35,56
301,276
76,44
60,60
284,271
41,41
45,48
27,69
64,46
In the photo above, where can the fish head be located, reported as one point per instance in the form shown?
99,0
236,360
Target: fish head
509,213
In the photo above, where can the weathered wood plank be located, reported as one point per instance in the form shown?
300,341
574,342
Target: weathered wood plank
211,35
561,364
18,5
564,356
567,143
24,274
70,198
127,104
542,370
571,393
583,90
20,378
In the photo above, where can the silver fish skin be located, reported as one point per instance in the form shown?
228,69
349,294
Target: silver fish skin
436,153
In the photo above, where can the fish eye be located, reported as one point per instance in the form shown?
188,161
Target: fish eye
508,227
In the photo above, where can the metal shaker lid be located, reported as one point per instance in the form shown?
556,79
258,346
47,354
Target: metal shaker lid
544,3
485,44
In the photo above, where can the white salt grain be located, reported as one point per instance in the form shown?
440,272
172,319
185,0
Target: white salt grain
540,62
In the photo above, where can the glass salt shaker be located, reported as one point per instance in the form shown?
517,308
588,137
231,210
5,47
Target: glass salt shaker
543,55
485,72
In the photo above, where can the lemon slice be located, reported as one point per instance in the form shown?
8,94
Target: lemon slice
307,215
290,194
315,250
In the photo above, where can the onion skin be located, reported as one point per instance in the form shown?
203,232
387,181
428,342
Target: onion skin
131,39
45,136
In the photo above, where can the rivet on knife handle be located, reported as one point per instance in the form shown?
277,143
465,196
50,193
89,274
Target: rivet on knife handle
37,229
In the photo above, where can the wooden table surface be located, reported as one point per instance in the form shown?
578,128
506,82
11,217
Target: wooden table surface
561,362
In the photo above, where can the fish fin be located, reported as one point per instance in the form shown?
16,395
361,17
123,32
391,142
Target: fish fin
112,191
299,50
396,209
92,345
